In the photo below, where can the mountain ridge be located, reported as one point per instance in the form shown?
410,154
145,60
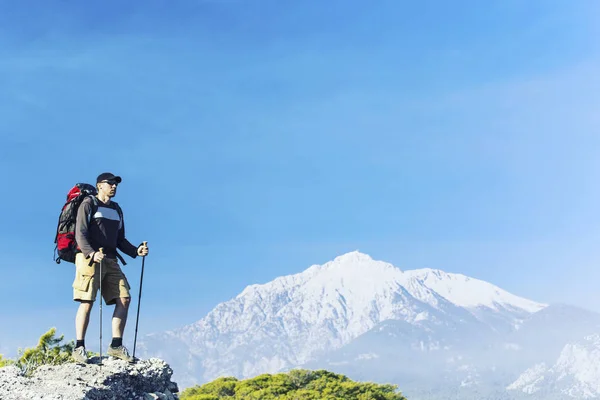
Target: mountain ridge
353,261
337,283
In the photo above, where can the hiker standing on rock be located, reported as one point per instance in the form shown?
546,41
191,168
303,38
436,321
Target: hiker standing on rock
100,225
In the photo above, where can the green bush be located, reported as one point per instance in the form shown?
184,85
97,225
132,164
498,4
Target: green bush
48,351
298,384
5,361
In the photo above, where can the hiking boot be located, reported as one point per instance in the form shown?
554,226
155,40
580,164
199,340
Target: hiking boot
119,352
80,355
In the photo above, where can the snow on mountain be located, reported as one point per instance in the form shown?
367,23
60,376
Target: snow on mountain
575,374
464,291
530,381
296,318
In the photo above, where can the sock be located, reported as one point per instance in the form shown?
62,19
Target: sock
80,343
116,342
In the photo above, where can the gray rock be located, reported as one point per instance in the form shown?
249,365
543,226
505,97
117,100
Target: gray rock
113,380
169,395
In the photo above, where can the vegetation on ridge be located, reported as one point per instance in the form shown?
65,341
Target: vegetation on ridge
298,384
49,351
5,361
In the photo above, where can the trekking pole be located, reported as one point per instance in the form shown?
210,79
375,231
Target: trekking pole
139,301
101,261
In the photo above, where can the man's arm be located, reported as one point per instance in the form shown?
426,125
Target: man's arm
122,243
81,228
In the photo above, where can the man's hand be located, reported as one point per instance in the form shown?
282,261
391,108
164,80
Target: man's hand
142,250
98,256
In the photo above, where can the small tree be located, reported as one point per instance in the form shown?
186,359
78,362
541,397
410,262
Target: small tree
49,351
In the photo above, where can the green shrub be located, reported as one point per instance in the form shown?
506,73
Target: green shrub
5,361
296,385
49,351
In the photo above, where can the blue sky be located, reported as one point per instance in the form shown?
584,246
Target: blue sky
256,138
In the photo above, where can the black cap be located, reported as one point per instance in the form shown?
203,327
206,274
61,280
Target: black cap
107,176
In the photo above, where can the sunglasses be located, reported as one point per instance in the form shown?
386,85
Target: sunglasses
111,183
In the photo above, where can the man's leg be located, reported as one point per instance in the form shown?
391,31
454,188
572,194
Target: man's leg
117,293
82,319
120,317
116,348
85,287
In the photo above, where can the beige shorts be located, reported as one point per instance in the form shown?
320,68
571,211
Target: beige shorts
86,283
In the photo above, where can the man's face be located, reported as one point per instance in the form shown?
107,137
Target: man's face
108,188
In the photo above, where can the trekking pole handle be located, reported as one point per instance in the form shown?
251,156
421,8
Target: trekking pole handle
101,250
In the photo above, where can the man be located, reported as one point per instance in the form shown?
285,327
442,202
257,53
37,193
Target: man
104,229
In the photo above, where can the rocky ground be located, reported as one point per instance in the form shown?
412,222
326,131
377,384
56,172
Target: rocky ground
114,380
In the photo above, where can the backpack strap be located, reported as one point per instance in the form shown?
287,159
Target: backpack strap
94,208
121,258
122,222
89,218
120,212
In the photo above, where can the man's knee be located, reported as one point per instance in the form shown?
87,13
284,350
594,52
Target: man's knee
124,302
86,306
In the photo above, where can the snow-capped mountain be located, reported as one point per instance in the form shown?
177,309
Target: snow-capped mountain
437,335
576,373
294,319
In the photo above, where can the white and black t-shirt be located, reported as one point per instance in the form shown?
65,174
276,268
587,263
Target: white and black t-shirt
105,228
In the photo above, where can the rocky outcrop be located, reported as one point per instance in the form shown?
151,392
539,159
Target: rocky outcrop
114,380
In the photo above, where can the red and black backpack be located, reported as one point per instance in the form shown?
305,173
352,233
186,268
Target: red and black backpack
66,247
